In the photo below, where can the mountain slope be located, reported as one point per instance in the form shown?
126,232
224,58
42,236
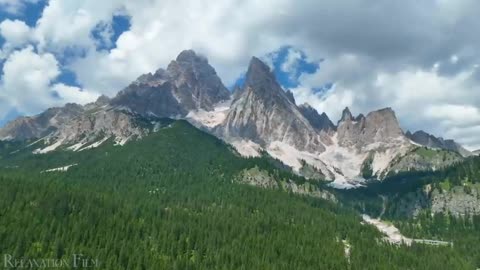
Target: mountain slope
40,125
428,140
169,201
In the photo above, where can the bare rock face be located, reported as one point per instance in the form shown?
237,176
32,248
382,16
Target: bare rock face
151,98
263,113
318,121
377,127
195,77
458,201
290,96
40,125
189,83
89,128
346,115
423,138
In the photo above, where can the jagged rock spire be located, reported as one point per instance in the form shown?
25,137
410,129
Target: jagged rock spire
189,55
189,83
318,121
264,113
346,115
290,96
259,75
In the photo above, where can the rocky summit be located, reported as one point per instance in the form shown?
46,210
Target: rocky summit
264,114
318,121
258,117
189,83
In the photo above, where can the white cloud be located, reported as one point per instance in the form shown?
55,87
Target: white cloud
15,33
454,113
67,24
27,83
26,79
291,62
5,107
71,94
332,103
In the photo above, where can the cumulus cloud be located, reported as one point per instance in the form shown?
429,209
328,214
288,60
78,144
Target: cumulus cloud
68,24
291,62
26,78
26,84
72,94
15,32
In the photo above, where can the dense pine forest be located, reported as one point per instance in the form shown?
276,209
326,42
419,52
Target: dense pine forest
169,201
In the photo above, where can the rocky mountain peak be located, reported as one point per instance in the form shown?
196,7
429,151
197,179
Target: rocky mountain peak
388,111
318,121
197,83
346,115
384,120
102,100
377,126
359,118
144,78
290,96
38,126
188,84
190,56
259,75
264,113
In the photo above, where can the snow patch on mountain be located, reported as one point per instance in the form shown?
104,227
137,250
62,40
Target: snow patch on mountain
119,141
95,144
60,169
49,148
76,146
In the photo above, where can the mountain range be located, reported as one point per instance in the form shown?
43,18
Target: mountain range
258,118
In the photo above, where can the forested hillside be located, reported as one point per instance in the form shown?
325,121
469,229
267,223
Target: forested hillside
169,202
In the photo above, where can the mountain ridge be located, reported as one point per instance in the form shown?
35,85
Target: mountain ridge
423,138
258,117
